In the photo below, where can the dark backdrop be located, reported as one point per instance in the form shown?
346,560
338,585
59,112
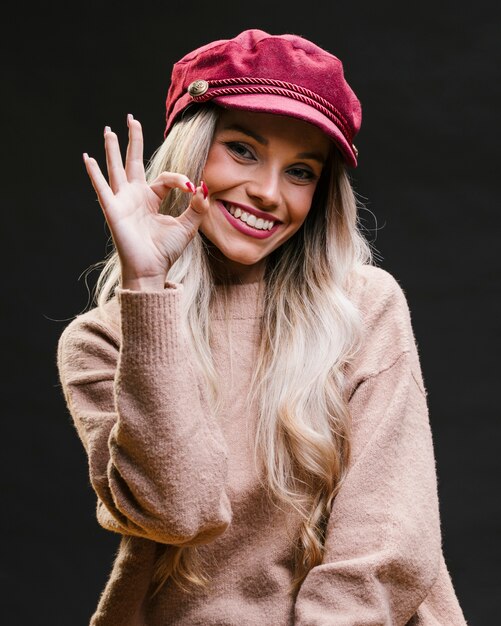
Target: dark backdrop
428,78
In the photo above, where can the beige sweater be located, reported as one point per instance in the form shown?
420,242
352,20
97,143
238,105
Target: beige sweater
165,471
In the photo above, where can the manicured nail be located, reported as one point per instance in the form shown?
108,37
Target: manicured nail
85,156
204,189
107,129
130,117
191,186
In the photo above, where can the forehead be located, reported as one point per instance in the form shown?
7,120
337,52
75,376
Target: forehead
275,127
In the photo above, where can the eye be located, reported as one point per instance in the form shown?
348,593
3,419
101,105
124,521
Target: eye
239,149
302,173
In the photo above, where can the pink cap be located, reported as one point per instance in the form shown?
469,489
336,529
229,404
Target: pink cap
281,74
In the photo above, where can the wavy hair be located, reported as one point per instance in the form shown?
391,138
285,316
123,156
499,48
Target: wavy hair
310,331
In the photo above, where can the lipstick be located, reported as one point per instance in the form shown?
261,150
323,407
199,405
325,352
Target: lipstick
242,226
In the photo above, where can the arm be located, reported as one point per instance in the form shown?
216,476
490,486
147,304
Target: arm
157,459
383,541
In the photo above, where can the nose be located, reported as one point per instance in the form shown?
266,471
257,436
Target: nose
264,188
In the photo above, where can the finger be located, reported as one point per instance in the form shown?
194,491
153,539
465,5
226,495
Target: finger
116,172
134,166
205,189
101,187
170,180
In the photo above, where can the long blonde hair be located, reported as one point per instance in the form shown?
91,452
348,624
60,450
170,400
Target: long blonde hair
310,330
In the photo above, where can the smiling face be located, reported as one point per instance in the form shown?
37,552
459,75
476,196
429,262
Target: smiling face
262,171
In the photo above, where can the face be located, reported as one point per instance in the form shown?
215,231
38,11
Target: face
262,171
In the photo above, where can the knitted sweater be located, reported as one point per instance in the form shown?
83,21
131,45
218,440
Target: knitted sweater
165,471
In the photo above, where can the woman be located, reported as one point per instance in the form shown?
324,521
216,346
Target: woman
248,387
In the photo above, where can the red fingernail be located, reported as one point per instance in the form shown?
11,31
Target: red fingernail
191,187
204,189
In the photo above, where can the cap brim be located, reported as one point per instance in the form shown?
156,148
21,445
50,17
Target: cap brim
282,105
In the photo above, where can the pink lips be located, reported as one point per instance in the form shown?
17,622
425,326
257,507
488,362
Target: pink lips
242,226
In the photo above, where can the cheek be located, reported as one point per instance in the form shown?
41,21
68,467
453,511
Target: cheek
220,169
300,204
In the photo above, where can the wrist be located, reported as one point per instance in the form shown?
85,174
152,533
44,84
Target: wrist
142,284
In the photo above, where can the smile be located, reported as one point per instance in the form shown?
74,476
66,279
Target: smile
249,218
246,222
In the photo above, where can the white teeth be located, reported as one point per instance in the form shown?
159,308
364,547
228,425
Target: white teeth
251,220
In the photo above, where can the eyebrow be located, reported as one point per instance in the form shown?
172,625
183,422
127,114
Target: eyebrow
316,156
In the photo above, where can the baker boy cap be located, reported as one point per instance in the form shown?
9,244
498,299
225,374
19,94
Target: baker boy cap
281,74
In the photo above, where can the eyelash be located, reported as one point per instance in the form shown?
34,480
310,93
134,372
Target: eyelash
234,145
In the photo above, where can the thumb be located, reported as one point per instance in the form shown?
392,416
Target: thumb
197,209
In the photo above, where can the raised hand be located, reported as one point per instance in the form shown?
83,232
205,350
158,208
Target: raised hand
147,242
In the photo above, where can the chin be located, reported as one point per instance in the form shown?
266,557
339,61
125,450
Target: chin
241,254
243,259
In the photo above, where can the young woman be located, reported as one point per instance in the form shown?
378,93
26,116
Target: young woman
248,386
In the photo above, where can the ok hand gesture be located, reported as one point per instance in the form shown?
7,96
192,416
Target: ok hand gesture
147,242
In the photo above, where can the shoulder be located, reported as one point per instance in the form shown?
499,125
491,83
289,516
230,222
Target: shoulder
387,331
90,337
371,286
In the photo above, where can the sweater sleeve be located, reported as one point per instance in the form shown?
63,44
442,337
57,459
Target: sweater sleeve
383,538
157,459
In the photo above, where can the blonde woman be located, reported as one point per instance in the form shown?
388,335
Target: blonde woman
247,386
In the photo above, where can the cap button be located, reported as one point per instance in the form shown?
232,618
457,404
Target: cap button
198,88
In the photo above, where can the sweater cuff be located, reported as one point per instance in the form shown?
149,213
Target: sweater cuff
151,325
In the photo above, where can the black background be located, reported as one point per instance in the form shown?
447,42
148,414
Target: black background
428,78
